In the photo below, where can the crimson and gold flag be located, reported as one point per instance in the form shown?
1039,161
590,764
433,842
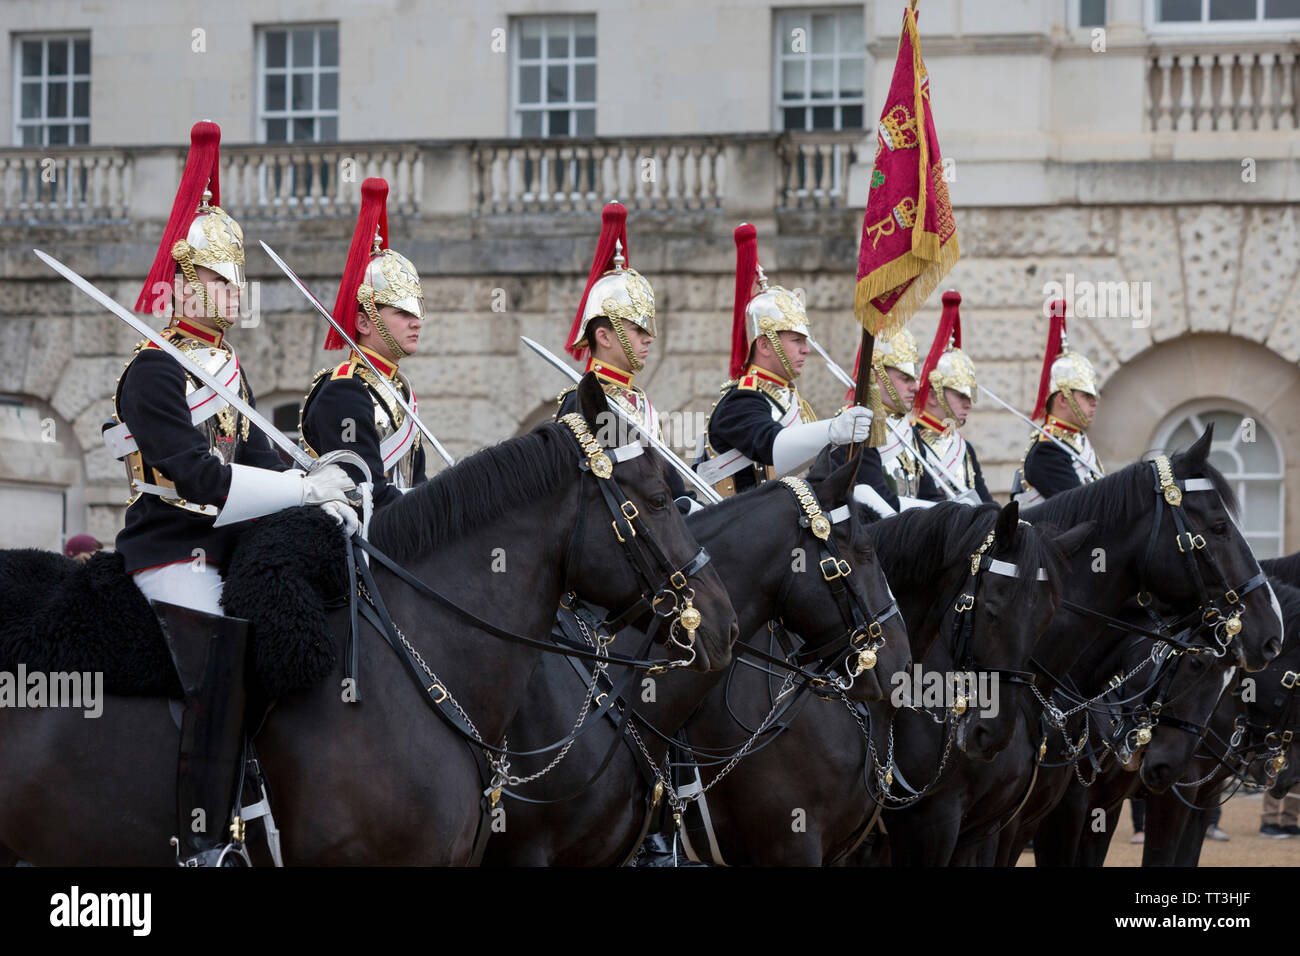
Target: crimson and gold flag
909,239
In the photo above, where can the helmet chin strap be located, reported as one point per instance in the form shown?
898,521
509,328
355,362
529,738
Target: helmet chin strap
1082,420
210,310
777,347
368,304
615,323
895,405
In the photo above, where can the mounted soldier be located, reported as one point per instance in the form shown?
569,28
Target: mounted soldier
1067,403
380,305
613,330
947,392
761,428
197,474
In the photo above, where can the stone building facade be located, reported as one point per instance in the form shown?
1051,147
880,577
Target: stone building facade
1156,178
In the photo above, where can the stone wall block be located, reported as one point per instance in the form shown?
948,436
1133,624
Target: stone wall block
1270,262
1211,239
1150,251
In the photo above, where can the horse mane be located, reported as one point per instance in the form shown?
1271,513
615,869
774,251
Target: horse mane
709,521
1286,568
1119,500
479,489
1288,597
919,545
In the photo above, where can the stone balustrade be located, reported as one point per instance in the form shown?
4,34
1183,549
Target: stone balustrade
1197,88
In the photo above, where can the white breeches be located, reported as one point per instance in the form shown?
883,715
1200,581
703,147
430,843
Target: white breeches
185,583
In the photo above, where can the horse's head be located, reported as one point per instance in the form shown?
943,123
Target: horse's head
631,551
1196,557
1181,704
1012,588
1272,707
848,614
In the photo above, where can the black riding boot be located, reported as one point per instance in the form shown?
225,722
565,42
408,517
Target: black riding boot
208,651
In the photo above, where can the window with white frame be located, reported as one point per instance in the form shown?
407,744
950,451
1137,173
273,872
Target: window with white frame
298,84
1251,460
553,84
51,90
820,69
1226,14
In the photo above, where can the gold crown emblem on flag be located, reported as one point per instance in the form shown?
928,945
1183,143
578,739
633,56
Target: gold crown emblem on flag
905,212
898,129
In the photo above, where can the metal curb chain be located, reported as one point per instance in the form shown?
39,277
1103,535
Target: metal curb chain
501,765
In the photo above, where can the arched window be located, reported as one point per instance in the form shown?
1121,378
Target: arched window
1249,457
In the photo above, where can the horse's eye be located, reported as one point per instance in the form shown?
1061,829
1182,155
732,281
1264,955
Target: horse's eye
1219,527
659,502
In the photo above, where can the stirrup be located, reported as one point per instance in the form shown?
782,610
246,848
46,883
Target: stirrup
228,854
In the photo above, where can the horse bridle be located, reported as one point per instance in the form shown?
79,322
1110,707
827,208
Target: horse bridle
863,632
1276,733
963,624
664,587
1189,542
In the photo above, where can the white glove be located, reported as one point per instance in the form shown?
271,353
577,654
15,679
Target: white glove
343,515
692,505
969,497
327,483
851,425
868,496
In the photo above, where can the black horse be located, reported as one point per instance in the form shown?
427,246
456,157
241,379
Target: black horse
1248,733
1165,530
765,552
1171,697
384,781
809,796
938,753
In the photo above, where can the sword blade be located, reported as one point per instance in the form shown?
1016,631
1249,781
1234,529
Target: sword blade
670,456
255,417
329,317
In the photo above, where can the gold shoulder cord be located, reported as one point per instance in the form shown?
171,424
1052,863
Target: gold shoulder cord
818,522
599,462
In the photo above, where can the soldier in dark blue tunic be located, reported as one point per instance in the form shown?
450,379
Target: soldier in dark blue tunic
761,427
381,306
1067,403
613,330
198,472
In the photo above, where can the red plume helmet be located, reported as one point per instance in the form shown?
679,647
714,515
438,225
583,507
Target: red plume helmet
613,228
746,276
202,173
949,332
373,216
1055,335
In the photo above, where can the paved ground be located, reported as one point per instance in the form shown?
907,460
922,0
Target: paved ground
1246,848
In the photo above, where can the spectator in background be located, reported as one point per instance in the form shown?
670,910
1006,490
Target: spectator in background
1279,820
80,547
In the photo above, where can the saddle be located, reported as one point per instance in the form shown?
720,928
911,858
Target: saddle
287,571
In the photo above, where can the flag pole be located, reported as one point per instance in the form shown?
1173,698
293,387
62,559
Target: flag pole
861,391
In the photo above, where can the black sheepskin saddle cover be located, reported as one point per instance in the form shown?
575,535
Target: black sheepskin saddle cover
286,572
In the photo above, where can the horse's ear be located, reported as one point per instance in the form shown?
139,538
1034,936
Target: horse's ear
1074,539
836,488
592,402
1197,455
1004,532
